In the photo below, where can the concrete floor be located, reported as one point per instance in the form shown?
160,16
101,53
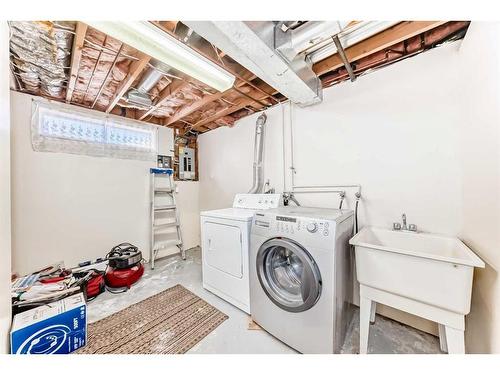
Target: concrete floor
233,336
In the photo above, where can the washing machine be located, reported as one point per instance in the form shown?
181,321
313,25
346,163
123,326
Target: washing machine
225,247
301,276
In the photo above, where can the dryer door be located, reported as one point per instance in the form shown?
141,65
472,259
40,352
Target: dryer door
288,274
223,248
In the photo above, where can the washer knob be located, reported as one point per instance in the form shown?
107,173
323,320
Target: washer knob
312,227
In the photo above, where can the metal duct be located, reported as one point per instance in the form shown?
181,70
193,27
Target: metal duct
40,53
140,95
293,42
251,44
258,153
349,37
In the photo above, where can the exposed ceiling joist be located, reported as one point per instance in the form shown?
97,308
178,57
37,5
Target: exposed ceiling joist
76,55
167,93
198,108
386,38
194,106
239,104
135,69
242,103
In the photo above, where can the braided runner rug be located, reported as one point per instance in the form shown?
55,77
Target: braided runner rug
170,322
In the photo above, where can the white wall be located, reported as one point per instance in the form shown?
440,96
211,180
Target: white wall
393,131
226,159
74,207
5,221
480,161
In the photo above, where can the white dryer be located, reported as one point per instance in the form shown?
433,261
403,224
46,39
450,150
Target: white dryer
225,246
301,276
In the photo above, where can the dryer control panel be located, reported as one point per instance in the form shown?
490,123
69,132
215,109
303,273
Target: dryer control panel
257,201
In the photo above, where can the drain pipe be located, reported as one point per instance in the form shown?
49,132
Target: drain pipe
258,152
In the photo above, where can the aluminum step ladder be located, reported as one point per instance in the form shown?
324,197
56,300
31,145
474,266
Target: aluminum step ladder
163,203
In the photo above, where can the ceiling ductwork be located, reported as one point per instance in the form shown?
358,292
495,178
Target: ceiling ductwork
291,43
253,45
282,53
348,36
140,96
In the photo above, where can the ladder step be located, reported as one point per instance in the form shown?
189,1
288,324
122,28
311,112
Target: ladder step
167,225
165,208
164,190
164,244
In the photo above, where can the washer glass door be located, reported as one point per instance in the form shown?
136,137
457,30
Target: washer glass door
288,274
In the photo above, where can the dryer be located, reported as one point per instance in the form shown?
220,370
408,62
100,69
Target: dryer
301,276
225,246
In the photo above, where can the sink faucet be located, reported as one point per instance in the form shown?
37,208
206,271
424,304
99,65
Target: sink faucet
404,227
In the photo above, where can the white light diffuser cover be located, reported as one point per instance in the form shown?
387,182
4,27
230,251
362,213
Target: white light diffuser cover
151,40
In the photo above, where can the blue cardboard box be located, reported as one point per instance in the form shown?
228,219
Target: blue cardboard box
57,328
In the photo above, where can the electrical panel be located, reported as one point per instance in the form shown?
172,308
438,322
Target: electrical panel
186,163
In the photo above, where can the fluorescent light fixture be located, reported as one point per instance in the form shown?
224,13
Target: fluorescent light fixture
151,40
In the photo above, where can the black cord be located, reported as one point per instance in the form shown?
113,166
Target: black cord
116,291
356,217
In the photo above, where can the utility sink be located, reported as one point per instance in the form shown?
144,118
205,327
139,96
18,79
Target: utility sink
424,274
430,268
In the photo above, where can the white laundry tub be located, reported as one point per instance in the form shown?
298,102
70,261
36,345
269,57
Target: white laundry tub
429,268
424,274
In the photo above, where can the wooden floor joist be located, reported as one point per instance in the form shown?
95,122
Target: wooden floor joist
248,94
197,105
167,93
135,69
384,39
194,106
76,55
240,104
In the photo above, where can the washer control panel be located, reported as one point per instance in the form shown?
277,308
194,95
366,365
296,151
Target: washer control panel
257,201
291,225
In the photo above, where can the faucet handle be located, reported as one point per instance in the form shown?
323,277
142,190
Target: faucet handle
412,227
396,226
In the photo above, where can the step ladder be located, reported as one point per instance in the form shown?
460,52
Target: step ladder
163,203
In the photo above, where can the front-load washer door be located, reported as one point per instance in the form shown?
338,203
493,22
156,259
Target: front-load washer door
224,248
288,274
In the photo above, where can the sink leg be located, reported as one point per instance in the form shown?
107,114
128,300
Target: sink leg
373,309
365,312
455,340
442,338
